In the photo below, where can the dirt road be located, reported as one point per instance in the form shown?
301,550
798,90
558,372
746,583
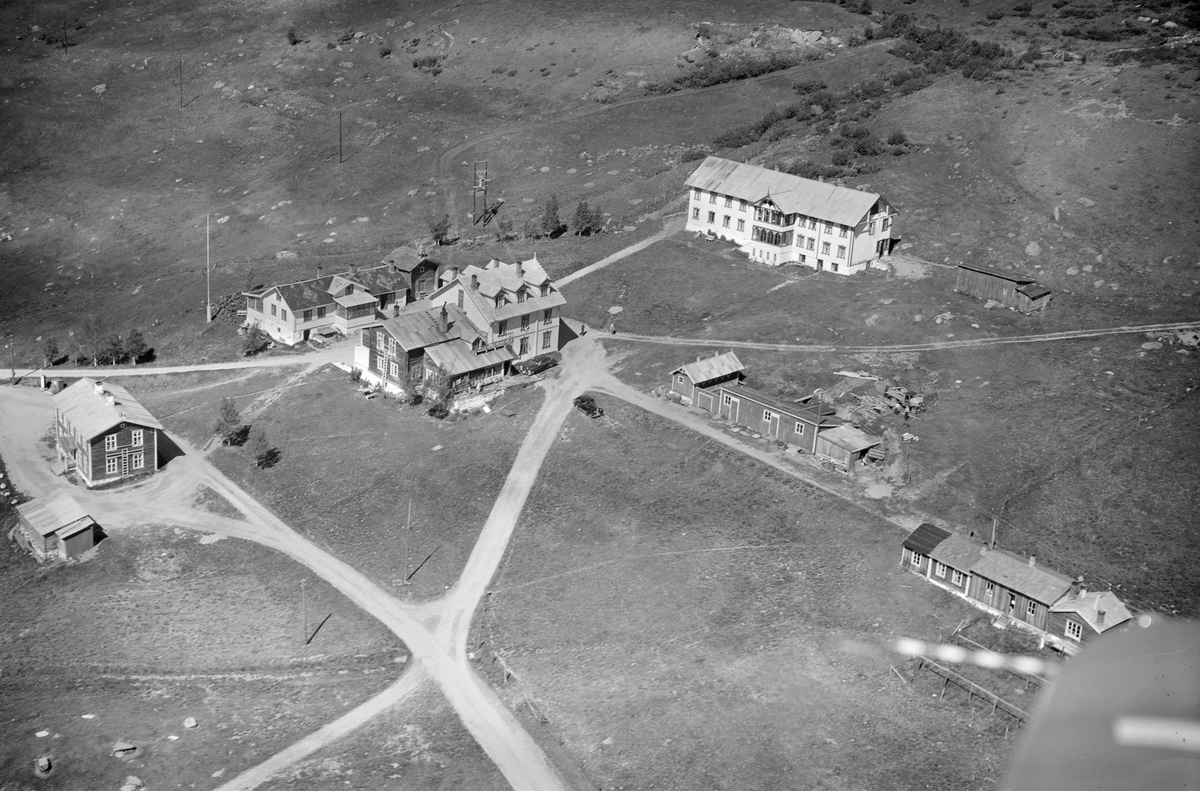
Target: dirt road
671,226
341,352
667,340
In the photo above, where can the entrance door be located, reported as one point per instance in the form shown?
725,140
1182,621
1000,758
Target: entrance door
820,265
729,408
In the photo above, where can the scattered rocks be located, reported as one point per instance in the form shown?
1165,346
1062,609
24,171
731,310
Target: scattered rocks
101,88
190,722
1086,202
346,64
42,766
1098,284
545,168
1072,270
286,254
1151,345
123,750
1033,248
133,783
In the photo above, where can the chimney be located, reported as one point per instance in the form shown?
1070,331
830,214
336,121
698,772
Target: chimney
110,398
520,270
1033,560
1099,617
474,282
443,320
1082,592
99,388
453,273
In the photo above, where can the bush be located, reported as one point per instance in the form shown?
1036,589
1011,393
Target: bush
805,87
439,228
356,375
1023,10
868,147
897,138
855,131
293,37
842,158
384,50
978,69
438,410
255,341
429,64
694,153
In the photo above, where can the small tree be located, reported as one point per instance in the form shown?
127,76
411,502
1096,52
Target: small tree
50,351
437,393
255,341
135,345
597,220
229,423
258,445
581,222
504,229
112,349
440,229
91,339
551,224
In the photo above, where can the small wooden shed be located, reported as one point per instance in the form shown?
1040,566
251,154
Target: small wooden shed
847,446
56,526
704,373
1012,290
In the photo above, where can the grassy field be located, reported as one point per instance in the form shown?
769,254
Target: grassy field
1068,453
418,744
349,467
692,631
161,625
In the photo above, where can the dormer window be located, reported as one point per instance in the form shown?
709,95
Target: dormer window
499,300
545,289
521,294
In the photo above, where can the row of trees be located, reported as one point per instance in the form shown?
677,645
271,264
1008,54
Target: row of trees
95,344
584,222
233,432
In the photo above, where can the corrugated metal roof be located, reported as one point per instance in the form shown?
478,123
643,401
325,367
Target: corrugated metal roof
850,438
47,515
1014,572
1089,605
709,368
925,538
792,194
457,358
957,552
1015,277
92,415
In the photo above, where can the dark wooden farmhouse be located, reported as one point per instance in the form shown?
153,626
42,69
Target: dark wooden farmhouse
941,557
55,526
797,424
103,433
1016,291
1017,588
702,375
1082,616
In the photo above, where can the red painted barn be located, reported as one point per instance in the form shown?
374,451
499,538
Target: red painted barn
702,375
103,433
796,424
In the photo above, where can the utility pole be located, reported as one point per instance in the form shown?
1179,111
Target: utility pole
207,270
339,137
12,359
407,534
304,611
180,82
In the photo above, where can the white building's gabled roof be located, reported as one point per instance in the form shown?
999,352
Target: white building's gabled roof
90,413
792,194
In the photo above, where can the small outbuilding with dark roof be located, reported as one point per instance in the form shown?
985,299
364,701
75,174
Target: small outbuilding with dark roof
915,550
55,526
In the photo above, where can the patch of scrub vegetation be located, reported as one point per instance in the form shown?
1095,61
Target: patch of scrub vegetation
939,49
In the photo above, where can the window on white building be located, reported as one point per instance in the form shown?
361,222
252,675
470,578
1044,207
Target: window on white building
525,322
871,227
546,339
828,227
741,226
502,328
274,310
712,198
712,217
824,248
810,243
697,194
320,312
308,315
728,202
742,206
725,221
883,225
842,231
524,346
696,213
841,251
812,224
283,315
